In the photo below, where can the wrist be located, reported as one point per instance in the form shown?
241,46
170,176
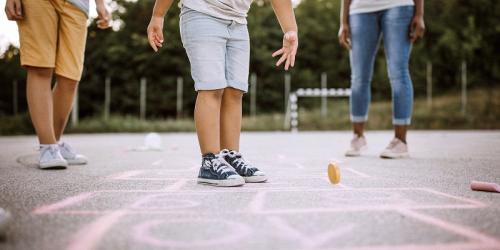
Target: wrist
158,15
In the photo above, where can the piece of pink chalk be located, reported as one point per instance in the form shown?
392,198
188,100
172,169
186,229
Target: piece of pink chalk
485,186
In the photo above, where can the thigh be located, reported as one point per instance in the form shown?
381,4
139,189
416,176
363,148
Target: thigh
238,57
396,29
365,36
204,38
72,39
38,33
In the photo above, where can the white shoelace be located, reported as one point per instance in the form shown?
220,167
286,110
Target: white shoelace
218,166
241,163
51,150
393,144
67,148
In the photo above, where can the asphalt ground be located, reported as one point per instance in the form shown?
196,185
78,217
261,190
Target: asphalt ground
126,198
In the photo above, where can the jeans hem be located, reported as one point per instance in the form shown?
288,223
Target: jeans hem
359,118
401,121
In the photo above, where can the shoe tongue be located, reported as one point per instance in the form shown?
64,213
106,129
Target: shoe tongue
235,153
209,156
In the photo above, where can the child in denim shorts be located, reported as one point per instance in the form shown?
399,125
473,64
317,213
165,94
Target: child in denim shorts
215,36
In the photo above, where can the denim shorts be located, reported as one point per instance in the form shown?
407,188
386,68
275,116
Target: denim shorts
218,50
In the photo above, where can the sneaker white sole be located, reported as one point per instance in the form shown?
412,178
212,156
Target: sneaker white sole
352,153
4,220
53,165
234,182
394,156
76,161
255,178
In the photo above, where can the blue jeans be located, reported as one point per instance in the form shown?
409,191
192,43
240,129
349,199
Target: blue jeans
393,25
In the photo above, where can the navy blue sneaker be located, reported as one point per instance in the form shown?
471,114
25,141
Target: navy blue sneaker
215,171
242,167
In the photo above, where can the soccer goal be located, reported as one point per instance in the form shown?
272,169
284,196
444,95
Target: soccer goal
292,113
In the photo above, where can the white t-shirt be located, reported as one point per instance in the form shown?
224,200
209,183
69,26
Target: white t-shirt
364,6
235,10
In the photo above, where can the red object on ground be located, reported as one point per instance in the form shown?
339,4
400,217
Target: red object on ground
485,186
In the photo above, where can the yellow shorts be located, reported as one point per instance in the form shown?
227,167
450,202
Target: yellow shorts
53,35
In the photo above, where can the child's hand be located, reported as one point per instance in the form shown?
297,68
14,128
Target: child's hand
13,10
289,50
155,32
345,36
417,28
104,17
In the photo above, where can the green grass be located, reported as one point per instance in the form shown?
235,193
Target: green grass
483,112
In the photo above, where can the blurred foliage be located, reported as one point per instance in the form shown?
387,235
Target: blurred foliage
457,30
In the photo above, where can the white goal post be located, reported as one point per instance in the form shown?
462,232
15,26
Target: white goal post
292,111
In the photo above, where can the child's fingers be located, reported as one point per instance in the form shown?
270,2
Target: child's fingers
11,11
281,60
18,9
278,52
152,43
287,63
292,57
9,16
102,24
158,40
159,35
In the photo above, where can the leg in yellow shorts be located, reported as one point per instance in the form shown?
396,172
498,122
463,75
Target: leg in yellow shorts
52,38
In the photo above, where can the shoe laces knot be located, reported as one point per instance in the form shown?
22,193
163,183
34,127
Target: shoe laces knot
50,150
242,164
218,166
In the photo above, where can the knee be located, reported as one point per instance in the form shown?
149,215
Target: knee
214,95
40,72
233,95
66,84
400,77
359,84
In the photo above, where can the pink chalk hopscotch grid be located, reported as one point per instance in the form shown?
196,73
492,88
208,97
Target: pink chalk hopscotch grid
271,201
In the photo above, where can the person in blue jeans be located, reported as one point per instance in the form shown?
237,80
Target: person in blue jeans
399,23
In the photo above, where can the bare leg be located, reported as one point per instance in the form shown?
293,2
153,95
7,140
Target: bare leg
39,95
230,119
207,120
63,95
400,132
358,128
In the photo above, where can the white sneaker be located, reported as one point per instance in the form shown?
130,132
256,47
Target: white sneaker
396,149
50,157
71,156
4,220
358,144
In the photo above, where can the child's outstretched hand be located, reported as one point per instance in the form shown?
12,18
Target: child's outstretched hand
155,32
289,49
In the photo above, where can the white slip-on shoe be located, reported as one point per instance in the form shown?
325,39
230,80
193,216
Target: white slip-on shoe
4,221
71,156
50,157
358,144
396,149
